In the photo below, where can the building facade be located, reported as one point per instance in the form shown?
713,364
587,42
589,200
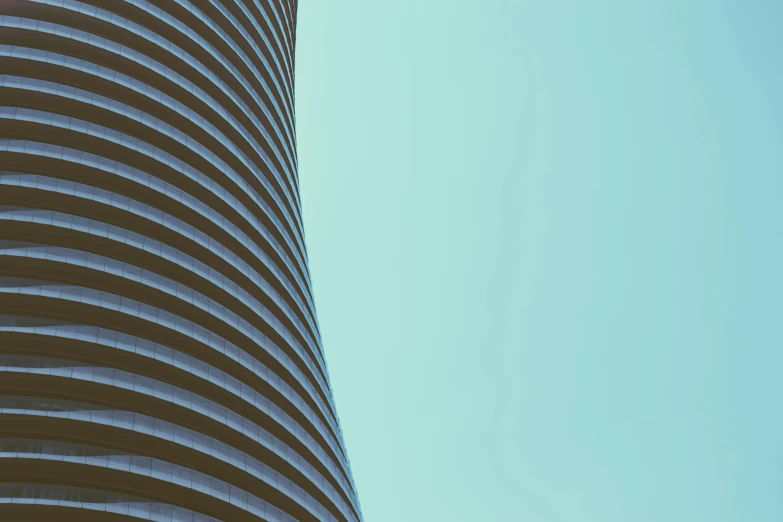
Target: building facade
160,357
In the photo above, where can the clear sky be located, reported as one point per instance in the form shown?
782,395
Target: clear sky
546,240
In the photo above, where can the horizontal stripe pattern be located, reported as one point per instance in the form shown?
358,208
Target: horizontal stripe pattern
160,353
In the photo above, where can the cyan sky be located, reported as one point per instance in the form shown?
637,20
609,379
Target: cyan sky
546,240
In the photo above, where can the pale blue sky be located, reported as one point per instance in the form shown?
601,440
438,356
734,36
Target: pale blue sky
546,240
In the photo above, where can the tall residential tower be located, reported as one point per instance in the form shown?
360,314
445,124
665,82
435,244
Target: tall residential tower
160,357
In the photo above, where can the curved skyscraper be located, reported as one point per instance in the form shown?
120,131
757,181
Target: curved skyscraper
160,357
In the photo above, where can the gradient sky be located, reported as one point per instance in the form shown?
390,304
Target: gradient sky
546,240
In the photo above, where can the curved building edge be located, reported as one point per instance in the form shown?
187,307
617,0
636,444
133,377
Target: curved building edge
160,354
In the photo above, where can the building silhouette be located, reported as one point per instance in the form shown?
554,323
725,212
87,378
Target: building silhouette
160,357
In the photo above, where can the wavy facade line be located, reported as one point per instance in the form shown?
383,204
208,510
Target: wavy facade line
160,355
